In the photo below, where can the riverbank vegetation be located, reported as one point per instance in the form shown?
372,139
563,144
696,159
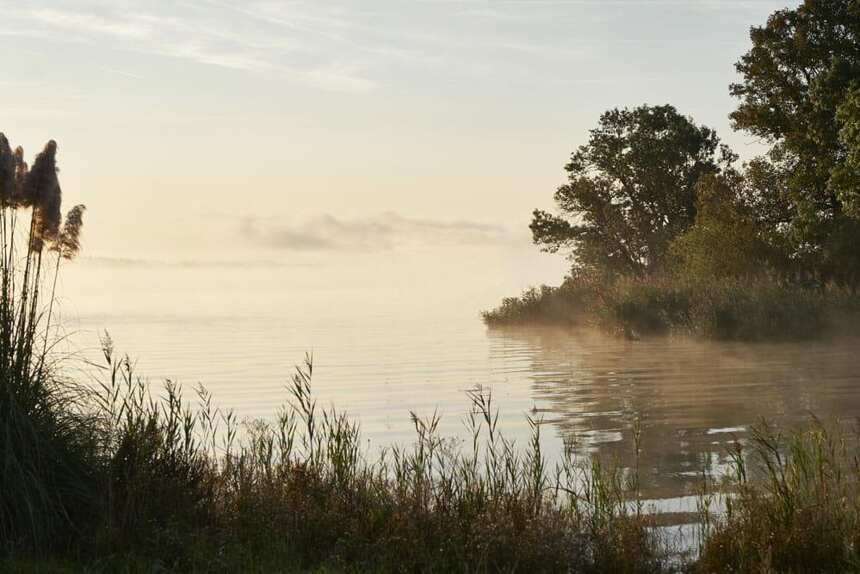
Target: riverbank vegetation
666,231
191,489
106,475
793,504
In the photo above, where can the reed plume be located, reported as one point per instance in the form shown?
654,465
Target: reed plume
7,171
68,242
21,171
42,189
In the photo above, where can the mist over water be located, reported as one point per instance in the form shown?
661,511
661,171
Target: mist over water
387,343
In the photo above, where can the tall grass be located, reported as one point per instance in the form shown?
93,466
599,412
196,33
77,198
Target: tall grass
792,504
114,476
45,434
190,487
737,309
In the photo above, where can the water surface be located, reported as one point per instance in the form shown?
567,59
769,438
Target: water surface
382,350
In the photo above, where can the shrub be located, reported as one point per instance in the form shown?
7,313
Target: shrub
725,308
566,305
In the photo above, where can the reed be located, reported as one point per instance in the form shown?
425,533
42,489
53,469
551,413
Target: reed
728,309
45,431
792,504
570,304
191,487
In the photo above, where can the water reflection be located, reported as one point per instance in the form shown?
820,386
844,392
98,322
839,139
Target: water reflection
692,399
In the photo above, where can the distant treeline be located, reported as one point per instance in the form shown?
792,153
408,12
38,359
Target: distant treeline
664,227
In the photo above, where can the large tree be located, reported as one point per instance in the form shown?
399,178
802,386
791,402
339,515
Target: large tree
798,76
631,190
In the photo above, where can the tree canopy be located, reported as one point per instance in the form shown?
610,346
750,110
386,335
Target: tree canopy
631,190
799,80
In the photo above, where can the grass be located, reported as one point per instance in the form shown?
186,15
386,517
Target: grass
724,310
190,489
793,505
180,486
174,484
110,477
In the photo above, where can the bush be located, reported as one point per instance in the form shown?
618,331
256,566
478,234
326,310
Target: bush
566,305
738,309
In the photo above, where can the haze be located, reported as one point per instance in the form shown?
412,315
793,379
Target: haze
291,131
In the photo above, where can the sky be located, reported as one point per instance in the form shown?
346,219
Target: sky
291,131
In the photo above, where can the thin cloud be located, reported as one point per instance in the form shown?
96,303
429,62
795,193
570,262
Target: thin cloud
85,23
195,35
128,262
375,233
123,73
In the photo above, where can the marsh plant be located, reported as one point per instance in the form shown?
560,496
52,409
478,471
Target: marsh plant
792,503
43,435
190,487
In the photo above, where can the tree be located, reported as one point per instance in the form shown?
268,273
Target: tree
631,190
726,240
846,175
797,78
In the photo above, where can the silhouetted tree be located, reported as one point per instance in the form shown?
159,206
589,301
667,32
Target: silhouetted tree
631,190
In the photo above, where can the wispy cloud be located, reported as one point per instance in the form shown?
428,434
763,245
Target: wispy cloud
380,232
123,73
128,262
342,47
192,32
89,23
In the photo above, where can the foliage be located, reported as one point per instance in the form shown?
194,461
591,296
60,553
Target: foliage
725,242
792,504
631,190
714,307
674,238
569,304
798,92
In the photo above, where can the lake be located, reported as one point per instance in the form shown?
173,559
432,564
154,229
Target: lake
384,348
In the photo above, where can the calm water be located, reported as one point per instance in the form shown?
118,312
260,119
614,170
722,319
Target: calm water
380,354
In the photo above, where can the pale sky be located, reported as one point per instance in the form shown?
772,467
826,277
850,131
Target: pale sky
209,129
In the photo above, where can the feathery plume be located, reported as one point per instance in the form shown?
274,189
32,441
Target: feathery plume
21,171
43,189
7,172
68,244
